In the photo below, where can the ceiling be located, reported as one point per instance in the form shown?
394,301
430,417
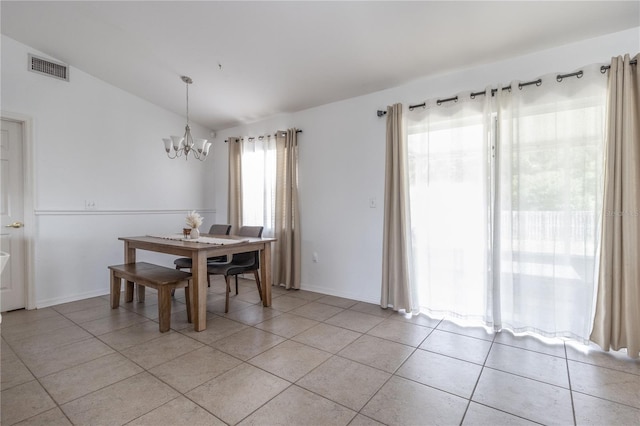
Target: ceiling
252,60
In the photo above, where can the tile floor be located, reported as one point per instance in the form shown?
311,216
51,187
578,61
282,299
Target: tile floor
310,359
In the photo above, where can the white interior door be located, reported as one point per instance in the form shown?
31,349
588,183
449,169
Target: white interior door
12,280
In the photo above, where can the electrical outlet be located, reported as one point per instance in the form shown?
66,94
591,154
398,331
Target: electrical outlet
90,205
314,257
373,203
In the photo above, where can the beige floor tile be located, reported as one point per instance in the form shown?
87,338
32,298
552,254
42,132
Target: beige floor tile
237,393
180,321
117,320
361,420
401,332
6,353
457,346
147,309
327,337
316,311
605,383
590,410
372,309
290,360
45,363
355,321
23,401
53,417
50,341
82,379
534,365
522,397
131,336
79,305
466,330
345,382
22,316
160,350
217,304
377,353
402,401
150,310
13,372
420,319
594,355
121,402
553,347
482,415
286,325
305,294
247,343
178,412
340,302
297,406
189,371
93,313
217,328
441,372
253,315
18,332
287,303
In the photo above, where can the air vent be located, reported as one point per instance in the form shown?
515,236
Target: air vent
48,67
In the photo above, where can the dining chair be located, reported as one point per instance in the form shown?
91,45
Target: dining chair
239,264
185,262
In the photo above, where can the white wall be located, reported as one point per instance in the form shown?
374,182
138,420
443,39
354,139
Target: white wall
93,141
342,151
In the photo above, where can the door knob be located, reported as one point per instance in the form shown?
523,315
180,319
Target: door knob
15,225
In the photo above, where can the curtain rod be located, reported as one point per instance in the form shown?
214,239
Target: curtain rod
261,137
604,68
537,82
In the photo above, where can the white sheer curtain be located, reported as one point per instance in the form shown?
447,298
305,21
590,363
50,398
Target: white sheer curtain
505,196
448,149
550,146
259,183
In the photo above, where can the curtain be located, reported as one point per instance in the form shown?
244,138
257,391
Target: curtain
505,197
617,317
234,206
396,280
549,192
287,248
448,149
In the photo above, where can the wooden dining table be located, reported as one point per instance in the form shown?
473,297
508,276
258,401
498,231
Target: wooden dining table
199,252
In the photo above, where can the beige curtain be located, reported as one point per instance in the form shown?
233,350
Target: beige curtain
396,282
617,317
234,207
286,253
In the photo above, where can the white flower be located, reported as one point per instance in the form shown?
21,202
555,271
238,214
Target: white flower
194,220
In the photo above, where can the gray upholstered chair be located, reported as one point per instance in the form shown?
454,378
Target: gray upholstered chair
185,262
239,264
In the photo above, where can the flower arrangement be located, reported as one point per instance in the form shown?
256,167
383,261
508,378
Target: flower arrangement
194,220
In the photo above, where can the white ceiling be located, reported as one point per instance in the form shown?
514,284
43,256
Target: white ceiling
279,57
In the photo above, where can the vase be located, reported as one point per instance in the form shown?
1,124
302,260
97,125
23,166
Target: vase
195,234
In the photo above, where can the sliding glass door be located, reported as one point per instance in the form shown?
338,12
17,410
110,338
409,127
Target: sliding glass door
505,196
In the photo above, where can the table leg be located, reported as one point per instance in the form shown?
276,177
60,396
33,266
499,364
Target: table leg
199,290
265,272
129,257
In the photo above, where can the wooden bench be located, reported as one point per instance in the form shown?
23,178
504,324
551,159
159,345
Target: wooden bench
154,276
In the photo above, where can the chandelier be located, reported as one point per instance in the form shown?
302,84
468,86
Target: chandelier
183,145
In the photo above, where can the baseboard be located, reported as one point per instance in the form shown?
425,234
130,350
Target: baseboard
73,298
330,292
